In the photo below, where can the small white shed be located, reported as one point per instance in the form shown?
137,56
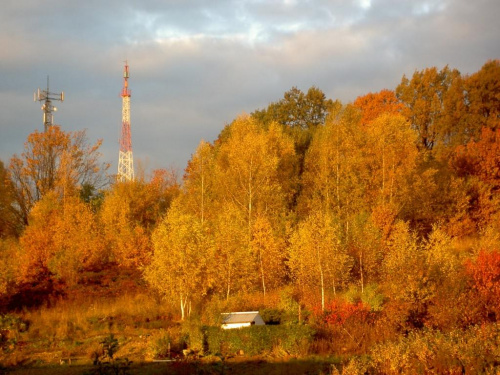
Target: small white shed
241,319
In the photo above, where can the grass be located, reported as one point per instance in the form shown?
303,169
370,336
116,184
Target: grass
42,340
75,328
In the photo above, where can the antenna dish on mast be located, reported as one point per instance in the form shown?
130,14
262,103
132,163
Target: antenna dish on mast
46,97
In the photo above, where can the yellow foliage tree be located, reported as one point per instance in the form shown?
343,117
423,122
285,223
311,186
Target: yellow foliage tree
199,183
180,268
232,260
316,258
247,169
403,267
131,211
332,178
269,253
390,158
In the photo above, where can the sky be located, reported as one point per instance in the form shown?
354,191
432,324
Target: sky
196,65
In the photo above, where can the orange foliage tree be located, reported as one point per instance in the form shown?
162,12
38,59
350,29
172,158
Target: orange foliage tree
55,159
485,274
426,97
10,223
479,164
130,212
483,97
372,105
63,238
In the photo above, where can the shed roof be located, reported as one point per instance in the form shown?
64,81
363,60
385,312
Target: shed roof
241,317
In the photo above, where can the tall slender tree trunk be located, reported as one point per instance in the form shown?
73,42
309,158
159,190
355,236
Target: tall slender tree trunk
262,272
184,302
361,270
228,283
322,279
322,290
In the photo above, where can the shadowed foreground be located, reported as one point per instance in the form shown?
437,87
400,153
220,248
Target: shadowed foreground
233,366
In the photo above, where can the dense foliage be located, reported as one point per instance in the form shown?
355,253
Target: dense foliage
377,221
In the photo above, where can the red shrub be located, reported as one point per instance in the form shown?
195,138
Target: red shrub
338,312
485,275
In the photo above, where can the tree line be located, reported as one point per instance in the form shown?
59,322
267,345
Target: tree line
397,191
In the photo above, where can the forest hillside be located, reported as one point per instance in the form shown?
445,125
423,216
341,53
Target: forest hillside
370,229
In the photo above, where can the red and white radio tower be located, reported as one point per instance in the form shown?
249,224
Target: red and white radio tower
125,160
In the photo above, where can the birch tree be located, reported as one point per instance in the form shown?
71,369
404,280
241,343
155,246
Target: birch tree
316,257
269,255
180,266
233,262
247,169
199,182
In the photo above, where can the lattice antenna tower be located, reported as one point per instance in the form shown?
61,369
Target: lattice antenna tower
125,160
46,97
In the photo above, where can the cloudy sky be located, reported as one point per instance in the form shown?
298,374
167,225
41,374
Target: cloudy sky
195,65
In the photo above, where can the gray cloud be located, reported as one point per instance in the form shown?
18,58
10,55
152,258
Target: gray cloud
196,65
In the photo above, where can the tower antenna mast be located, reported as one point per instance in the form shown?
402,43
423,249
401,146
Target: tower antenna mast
46,97
125,159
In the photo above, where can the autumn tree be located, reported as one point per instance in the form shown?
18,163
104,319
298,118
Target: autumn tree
233,262
402,273
247,169
244,179
480,158
63,239
297,109
332,167
364,245
316,256
483,98
352,168
390,156
10,224
199,184
130,212
415,271
55,160
300,114
268,249
425,97
179,269
10,255
478,163
441,258
373,105
484,271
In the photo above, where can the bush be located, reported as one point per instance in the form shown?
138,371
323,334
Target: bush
12,322
272,316
254,340
370,296
194,337
338,313
346,327
105,361
160,345
10,327
472,351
